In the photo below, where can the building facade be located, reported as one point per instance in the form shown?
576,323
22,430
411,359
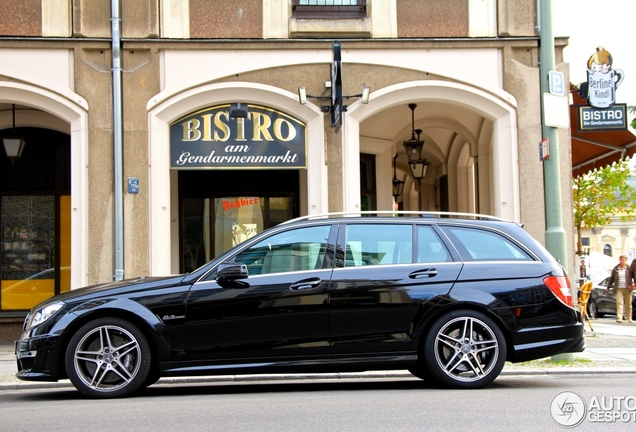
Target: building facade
134,164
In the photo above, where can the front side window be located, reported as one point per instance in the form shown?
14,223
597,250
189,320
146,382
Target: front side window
301,249
476,244
378,244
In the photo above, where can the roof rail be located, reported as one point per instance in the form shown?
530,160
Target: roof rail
397,213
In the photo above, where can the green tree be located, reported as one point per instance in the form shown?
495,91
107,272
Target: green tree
600,195
632,109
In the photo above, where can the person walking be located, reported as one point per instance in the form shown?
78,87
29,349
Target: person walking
621,281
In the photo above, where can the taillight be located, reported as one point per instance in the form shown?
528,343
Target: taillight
560,287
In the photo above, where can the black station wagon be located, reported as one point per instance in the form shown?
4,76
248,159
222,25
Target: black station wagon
450,297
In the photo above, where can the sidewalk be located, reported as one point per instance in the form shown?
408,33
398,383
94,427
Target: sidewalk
611,348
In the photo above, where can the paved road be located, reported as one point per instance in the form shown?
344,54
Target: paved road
512,403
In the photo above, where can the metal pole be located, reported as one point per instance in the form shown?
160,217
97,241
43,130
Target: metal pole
117,139
555,238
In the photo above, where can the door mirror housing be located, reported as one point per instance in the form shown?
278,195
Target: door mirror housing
232,271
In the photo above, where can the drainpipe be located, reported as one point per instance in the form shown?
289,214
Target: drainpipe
117,139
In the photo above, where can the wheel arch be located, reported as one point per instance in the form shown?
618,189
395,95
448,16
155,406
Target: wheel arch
142,318
431,316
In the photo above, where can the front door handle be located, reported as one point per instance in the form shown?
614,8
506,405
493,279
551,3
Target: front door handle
424,273
306,284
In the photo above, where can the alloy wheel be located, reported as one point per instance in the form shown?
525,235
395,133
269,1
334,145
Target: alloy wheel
108,358
467,350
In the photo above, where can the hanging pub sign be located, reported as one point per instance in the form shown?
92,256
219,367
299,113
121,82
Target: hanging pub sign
265,139
602,111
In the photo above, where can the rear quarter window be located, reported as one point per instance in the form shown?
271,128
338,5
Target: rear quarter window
477,244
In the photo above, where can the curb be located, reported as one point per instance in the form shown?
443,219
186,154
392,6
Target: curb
24,385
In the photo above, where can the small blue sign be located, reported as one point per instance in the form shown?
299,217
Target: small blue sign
133,185
557,83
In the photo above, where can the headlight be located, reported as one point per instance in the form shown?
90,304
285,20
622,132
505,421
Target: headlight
42,314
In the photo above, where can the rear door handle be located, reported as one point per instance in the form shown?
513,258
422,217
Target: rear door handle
306,284
424,273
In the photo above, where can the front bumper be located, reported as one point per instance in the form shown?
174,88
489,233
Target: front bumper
37,359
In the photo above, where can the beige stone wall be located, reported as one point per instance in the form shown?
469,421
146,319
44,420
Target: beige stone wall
93,82
220,19
225,19
432,18
140,18
140,82
20,18
517,17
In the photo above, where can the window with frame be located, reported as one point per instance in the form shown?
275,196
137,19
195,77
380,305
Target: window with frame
430,248
301,249
378,244
484,245
329,9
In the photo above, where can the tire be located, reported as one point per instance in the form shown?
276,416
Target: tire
464,349
108,358
592,310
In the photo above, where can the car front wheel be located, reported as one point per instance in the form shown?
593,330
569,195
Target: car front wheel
107,358
592,310
464,349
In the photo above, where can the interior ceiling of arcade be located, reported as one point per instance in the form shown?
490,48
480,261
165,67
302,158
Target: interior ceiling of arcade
443,126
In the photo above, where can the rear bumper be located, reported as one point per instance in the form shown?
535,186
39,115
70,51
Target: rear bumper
541,342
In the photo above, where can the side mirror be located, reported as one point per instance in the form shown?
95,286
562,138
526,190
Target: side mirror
232,271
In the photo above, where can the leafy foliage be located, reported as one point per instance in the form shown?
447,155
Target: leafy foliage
632,109
600,195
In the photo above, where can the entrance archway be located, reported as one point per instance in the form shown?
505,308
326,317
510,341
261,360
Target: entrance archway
52,111
164,217
470,135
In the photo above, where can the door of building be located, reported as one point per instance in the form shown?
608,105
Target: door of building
35,220
222,208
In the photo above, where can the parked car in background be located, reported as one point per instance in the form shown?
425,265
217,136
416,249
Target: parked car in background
603,302
450,297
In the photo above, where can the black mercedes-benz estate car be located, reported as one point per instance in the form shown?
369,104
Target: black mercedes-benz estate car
449,298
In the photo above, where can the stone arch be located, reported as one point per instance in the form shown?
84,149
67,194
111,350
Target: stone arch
52,111
498,169
163,207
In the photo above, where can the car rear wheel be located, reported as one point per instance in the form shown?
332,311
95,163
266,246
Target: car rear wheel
107,358
464,349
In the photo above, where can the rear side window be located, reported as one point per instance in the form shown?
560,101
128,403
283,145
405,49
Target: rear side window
376,244
475,244
430,248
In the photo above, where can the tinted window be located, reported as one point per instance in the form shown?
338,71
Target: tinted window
429,247
480,244
295,250
374,244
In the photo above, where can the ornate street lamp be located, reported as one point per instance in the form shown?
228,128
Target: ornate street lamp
13,145
398,185
413,147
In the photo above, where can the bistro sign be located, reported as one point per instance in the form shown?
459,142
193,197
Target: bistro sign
210,138
603,113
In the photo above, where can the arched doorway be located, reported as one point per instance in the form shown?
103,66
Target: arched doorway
45,109
165,256
470,140
35,219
